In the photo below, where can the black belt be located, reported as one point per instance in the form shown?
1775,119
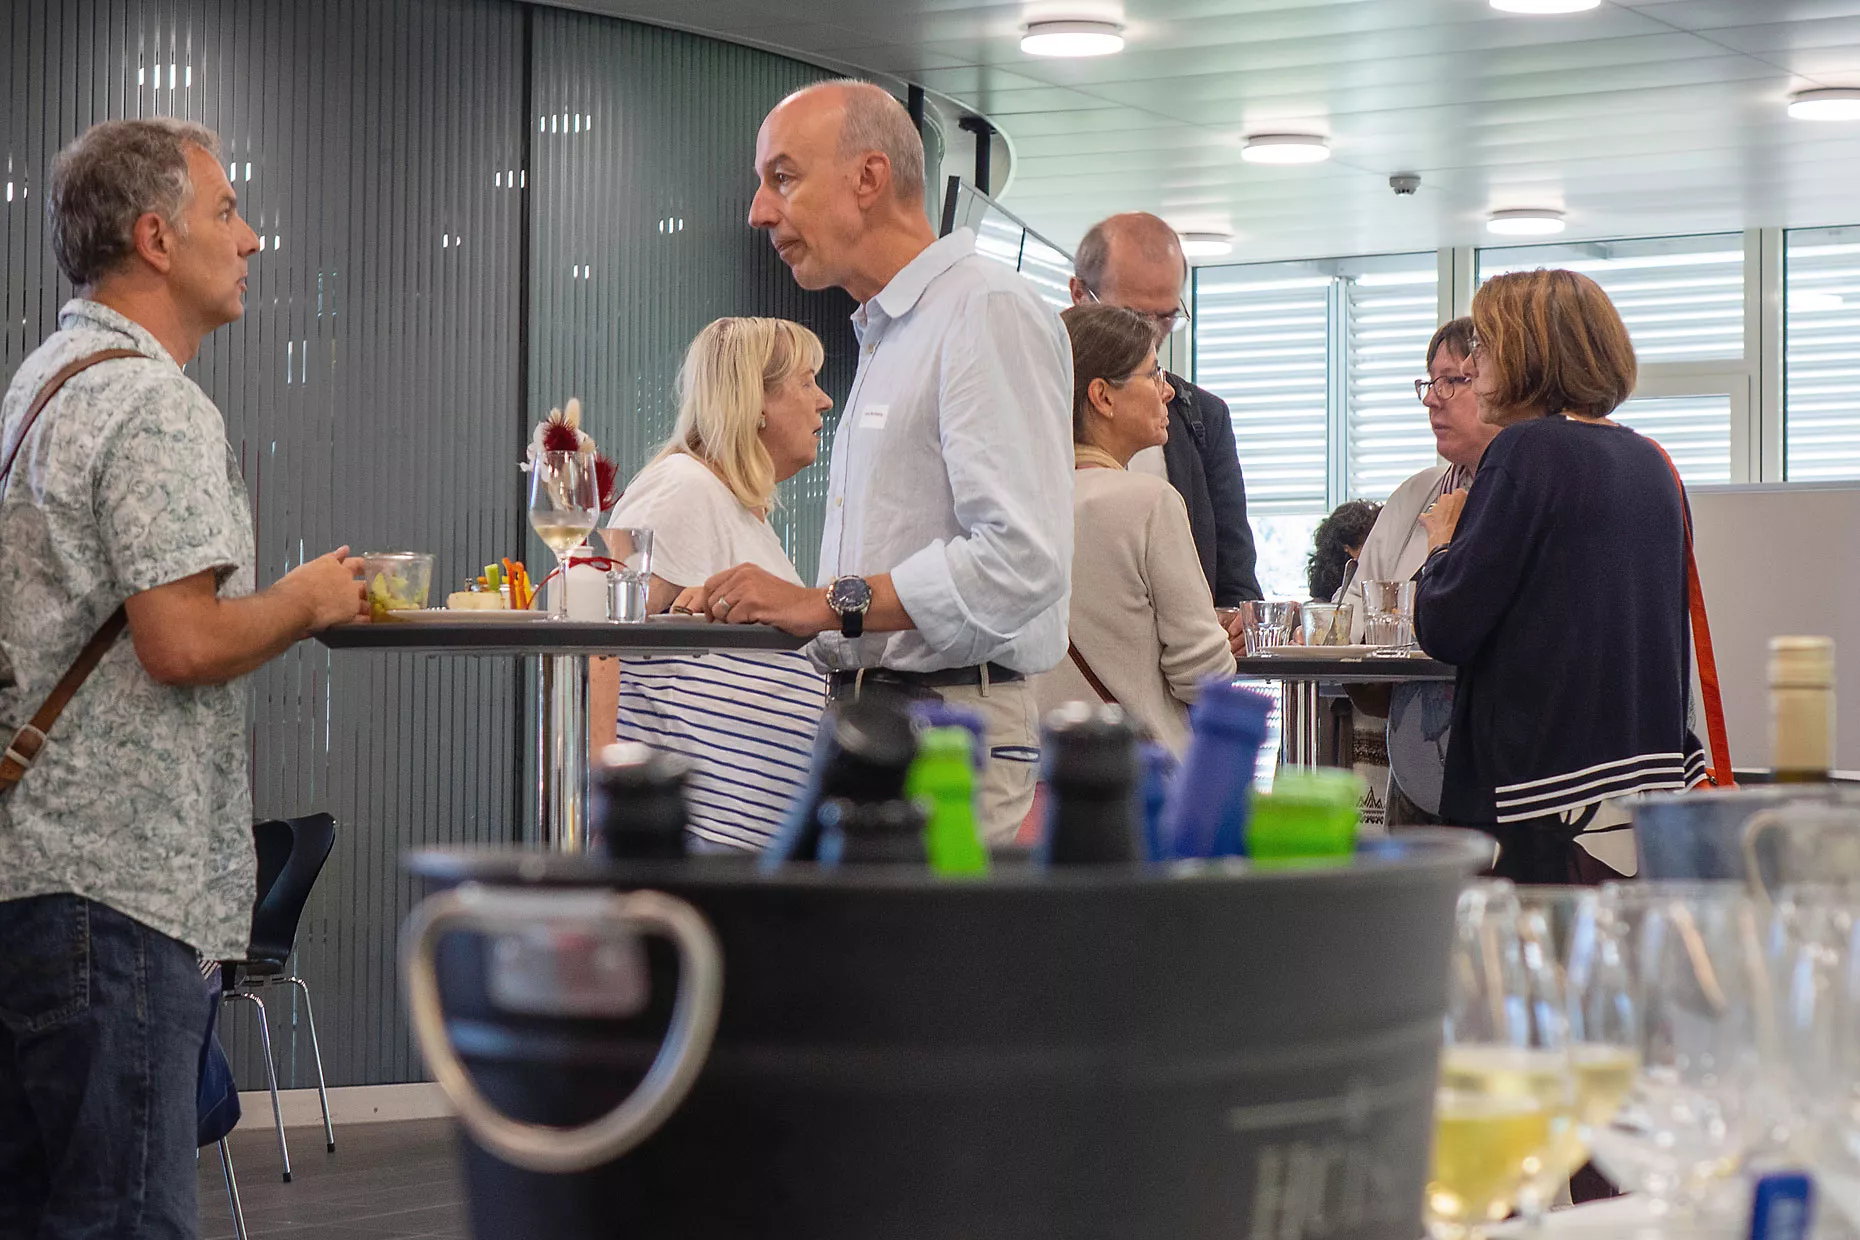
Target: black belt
942,678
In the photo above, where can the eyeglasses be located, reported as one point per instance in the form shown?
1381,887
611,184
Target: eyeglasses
1153,375
1442,388
1165,321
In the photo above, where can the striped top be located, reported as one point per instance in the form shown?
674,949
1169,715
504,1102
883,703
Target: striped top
746,722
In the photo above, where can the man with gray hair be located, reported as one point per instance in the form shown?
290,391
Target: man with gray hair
125,804
946,561
1135,260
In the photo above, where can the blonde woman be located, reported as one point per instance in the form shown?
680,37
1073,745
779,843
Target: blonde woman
749,417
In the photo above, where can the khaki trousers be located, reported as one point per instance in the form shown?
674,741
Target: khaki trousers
1012,722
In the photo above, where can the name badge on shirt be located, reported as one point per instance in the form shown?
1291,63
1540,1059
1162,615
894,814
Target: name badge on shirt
872,417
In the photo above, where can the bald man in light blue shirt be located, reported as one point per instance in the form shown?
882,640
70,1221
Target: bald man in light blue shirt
945,566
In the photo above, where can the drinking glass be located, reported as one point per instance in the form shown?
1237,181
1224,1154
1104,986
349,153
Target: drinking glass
1810,950
564,504
1587,941
1506,1097
630,578
1707,1031
1273,623
1326,624
1388,613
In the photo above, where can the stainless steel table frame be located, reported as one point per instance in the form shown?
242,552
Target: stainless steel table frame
1299,676
561,649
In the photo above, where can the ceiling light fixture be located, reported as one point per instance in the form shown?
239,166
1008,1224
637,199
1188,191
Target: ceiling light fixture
1285,148
1072,38
1540,8
1206,244
1525,222
1835,103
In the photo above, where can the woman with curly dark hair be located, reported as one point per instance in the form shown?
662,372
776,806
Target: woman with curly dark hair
1337,540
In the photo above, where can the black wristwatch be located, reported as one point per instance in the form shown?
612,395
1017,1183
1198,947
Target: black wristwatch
850,597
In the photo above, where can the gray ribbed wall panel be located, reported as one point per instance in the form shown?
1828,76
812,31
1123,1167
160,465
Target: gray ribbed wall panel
371,392
642,171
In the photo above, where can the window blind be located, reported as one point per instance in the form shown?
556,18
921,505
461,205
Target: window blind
1262,344
1694,430
1821,357
1682,298
1392,315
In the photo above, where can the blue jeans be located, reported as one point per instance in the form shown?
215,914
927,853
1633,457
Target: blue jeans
101,1023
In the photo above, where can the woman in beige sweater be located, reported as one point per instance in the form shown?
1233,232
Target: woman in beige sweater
1143,628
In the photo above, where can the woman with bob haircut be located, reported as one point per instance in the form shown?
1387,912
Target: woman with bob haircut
1143,631
749,417
1557,587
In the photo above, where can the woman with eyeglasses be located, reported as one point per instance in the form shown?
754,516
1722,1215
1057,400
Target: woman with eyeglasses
1143,629
1557,588
1397,544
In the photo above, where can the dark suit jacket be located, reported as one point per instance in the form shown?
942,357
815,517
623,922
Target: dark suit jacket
1205,467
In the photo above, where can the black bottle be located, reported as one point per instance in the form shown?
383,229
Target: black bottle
636,803
1088,755
876,833
862,755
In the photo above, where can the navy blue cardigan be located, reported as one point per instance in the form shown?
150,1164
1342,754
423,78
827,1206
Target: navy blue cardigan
1562,602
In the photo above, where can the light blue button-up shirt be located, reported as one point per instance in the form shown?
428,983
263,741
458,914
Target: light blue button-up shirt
952,468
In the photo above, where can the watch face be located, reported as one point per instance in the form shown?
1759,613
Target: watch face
849,594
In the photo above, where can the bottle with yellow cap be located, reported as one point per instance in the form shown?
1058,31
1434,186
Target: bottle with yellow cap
1801,709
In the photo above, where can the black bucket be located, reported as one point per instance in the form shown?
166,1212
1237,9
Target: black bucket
1100,1052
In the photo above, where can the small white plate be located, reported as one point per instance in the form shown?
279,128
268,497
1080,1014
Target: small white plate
445,615
1316,652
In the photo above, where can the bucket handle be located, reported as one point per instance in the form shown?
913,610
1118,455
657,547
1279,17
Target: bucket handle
1754,827
542,1147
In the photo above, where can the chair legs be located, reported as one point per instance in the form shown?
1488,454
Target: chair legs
316,1054
271,1072
232,1190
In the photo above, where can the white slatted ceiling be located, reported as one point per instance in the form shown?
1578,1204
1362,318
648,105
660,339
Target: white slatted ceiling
1822,356
1261,345
1392,316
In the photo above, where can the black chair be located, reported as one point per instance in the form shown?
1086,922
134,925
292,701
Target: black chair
291,853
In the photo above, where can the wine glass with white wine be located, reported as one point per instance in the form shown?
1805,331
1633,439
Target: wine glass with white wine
1507,1098
564,505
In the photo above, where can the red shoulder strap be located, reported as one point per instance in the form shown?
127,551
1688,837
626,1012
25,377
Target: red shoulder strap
1718,737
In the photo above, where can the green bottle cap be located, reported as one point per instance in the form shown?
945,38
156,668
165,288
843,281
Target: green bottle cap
1309,816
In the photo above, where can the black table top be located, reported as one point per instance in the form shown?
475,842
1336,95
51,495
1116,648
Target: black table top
1345,671
564,637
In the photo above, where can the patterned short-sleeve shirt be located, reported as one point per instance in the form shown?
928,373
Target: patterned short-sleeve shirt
141,798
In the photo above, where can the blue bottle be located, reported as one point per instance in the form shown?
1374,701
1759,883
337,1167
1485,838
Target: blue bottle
1159,768
1207,809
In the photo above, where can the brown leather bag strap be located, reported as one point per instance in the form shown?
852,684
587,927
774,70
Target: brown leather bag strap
24,745
50,390
1716,732
1091,677
29,740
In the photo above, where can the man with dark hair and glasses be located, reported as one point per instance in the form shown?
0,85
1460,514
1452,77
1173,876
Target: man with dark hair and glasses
1135,261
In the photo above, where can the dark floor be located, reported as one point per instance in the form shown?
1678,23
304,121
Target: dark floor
399,1179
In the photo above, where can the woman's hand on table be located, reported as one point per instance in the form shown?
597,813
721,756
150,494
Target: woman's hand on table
747,594
1441,518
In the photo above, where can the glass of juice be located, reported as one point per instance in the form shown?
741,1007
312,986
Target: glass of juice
1507,1095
